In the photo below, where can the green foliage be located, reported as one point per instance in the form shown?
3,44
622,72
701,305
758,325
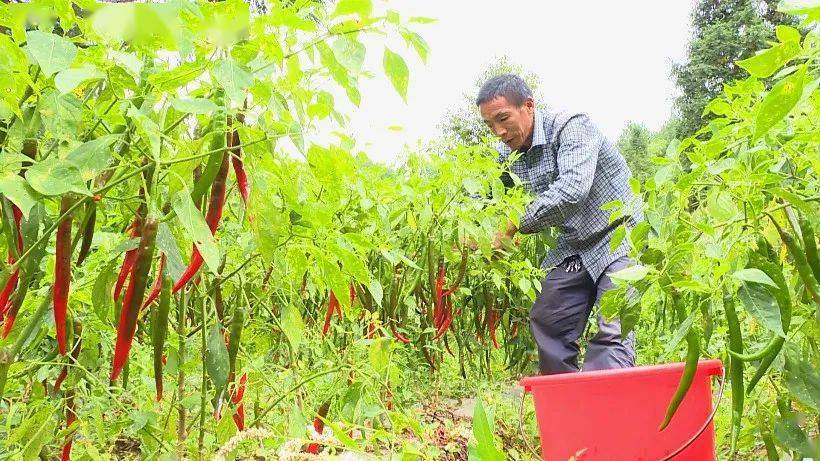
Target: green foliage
724,211
639,146
723,33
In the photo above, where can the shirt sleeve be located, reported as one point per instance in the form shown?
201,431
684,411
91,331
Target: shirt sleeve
579,144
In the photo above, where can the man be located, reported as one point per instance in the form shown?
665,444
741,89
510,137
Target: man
572,171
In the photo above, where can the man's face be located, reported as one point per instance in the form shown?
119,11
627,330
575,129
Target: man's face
510,123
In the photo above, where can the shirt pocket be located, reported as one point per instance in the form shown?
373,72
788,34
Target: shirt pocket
542,169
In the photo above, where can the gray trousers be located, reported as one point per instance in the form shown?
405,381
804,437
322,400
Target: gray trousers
560,313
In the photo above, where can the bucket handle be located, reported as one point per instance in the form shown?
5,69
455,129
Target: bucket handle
677,451
705,425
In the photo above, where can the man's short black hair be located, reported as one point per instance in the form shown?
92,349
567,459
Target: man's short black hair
510,86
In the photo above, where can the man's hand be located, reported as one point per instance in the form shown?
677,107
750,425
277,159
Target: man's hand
503,238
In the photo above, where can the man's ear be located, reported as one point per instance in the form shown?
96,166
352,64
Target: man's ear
529,104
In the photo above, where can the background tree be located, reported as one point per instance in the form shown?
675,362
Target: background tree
638,145
723,31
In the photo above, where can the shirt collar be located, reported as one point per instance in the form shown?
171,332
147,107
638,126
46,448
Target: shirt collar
539,136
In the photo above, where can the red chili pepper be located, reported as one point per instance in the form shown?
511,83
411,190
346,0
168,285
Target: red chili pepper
134,296
352,293
438,312
239,167
318,426
400,337
75,355
332,306
128,261
212,218
70,417
5,295
156,288
11,283
236,399
60,378
492,323
62,273
448,319
371,330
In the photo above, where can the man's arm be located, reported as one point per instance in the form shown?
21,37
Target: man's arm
577,156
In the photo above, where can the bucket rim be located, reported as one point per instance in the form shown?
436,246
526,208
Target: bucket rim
711,367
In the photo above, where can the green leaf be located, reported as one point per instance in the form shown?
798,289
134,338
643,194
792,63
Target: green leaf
40,438
361,7
233,78
194,105
93,156
766,63
53,53
68,79
101,292
631,273
754,275
167,244
397,71
349,52
61,114
617,237
418,43
484,448
376,290
17,190
789,433
379,354
194,224
54,176
779,102
803,381
720,205
801,7
680,333
787,33
292,326
762,305
216,358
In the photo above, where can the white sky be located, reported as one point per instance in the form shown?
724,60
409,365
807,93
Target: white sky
610,59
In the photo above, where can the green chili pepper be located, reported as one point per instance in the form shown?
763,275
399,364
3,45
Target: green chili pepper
735,367
692,356
159,321
810,243
800,261
237,322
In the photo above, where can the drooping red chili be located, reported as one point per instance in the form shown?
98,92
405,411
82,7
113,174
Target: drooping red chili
14,279
62,273
70,417
212,218
400,337
75,355
128,261
156,288
133,296
239,167
319,426
236,399
332,306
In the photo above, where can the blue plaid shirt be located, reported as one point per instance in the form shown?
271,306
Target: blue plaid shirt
573,170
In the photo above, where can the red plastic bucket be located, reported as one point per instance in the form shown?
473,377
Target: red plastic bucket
615,414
